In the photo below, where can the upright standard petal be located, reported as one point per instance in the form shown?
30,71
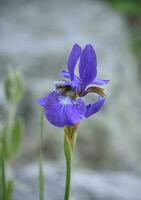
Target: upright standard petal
66,74
93,108
87,65
74,55
62,110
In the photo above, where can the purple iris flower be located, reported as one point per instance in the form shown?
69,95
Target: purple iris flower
64,106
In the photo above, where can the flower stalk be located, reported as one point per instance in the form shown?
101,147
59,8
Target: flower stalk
69,145
41,172
2,165
68,155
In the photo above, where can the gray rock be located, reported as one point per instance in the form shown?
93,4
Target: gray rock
86,184
36,37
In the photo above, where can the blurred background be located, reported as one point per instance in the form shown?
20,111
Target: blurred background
35,39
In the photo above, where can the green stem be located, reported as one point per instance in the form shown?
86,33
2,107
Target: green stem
68,155
41,172
68,179
3,172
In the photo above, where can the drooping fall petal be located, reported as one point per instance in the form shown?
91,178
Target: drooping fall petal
93,108
62,111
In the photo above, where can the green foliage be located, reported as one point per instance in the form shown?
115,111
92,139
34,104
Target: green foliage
16,137
136,44
2,173
12,130
11,135
12,138
13,87
131,7
9,189
6,186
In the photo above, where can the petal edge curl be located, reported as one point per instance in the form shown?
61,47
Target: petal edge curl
94,108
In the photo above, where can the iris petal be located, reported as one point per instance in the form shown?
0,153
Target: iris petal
100,82
42,101
93,108
87,65
74,55
65,74
62,110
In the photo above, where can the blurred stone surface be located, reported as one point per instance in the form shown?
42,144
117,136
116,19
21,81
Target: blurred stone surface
36,37
86,185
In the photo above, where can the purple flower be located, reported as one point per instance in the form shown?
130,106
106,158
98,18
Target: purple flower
64,106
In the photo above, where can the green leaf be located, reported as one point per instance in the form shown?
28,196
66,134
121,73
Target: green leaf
13,87
9,189
4,141
2,173
16,137
12,138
